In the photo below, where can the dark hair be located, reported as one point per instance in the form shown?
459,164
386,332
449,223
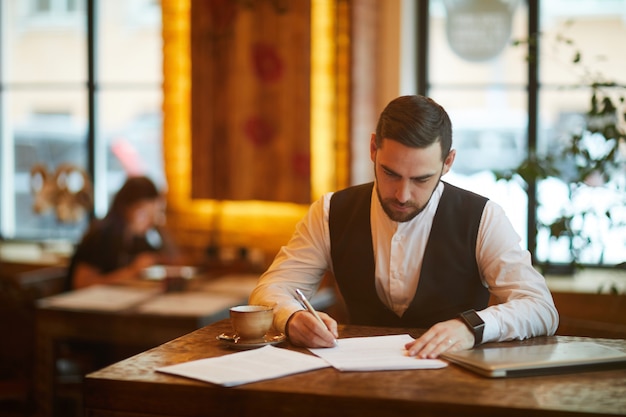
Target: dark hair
415,121
134,190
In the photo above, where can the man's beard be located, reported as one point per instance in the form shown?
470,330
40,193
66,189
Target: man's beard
402,217
399,216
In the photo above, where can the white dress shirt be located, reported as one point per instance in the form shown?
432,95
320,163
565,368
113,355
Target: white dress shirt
522,304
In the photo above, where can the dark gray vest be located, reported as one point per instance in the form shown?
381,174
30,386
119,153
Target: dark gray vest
449,281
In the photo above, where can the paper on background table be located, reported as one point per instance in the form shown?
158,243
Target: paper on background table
268,362
239,284
101,298
190,303
376,353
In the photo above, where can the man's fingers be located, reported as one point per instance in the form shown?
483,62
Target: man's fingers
442,337
330,323
306,330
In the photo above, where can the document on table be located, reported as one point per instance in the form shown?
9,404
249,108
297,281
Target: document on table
247,366
190,303
235,284
101,298
377,353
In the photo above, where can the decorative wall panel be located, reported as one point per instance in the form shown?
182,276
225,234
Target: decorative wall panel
250,100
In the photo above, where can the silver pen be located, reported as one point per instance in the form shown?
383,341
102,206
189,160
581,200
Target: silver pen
310,309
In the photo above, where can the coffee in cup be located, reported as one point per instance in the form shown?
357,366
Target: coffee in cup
251,322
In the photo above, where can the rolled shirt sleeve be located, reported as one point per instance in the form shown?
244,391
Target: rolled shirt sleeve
523,305
302,263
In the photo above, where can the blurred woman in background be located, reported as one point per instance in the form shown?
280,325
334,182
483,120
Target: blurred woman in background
127,240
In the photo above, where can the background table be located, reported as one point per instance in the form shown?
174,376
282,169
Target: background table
132,387
130,320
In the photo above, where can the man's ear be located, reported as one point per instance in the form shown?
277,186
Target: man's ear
447,163
373,147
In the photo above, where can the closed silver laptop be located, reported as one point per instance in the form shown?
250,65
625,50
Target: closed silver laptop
504,360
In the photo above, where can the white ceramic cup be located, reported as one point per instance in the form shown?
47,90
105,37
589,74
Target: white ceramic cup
251,322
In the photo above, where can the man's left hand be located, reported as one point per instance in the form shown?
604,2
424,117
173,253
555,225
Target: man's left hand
451,335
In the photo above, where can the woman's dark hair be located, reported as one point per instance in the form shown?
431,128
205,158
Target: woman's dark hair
415,121
134,190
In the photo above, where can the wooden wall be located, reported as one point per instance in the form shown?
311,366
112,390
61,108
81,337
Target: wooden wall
591,315
267,220
250,100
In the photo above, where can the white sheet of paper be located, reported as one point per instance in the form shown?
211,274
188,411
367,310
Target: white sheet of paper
189,303
101,298
247,366
236,284
377,353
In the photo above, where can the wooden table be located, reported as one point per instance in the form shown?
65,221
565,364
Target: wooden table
17,258
133,388
150,321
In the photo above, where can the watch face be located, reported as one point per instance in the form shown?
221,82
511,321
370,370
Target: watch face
473,319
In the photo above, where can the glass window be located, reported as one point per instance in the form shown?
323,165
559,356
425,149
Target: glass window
489,133
46,121
48,131
59,7
36,34
129,43
482,79
469,43
578,47
130,133
129,77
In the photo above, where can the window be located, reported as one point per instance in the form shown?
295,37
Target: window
482,83
44,7
595,30
473,70
70,122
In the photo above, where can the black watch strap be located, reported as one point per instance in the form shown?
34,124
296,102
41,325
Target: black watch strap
476,325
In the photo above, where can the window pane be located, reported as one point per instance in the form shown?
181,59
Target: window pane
470,42
596,205
45,44
48,132
129,42
594,28
489,133
129,140
480,79
589,202
41,6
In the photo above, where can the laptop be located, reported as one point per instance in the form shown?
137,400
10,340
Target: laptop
537,359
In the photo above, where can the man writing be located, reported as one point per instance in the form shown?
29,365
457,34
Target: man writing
410,250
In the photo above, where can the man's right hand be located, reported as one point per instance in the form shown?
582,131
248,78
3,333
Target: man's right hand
305,330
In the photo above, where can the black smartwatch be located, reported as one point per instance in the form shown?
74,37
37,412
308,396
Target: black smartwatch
476,325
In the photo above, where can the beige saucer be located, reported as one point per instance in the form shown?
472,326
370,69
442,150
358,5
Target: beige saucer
234,342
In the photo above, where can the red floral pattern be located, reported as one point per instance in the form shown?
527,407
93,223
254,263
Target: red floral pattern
259,131
267,63
301,165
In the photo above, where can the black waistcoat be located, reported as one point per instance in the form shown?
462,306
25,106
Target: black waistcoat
449,281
